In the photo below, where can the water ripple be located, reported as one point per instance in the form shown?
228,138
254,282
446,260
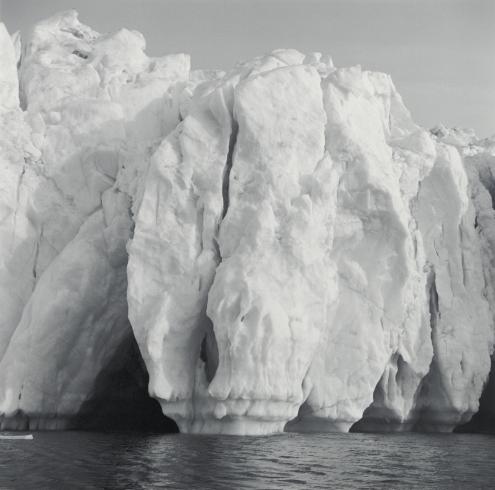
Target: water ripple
90,460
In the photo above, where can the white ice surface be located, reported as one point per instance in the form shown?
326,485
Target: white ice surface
95,108
290,248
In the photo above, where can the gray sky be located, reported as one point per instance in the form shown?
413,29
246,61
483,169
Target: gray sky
440,53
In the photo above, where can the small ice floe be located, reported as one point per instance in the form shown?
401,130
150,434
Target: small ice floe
18,436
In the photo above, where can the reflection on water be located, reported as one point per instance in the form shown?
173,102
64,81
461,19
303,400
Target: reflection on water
89,460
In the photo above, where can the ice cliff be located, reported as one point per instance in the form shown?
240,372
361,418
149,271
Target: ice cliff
287,247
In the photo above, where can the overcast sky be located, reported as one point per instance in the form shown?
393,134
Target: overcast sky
440,53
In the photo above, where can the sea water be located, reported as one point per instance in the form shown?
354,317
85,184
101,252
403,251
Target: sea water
92,460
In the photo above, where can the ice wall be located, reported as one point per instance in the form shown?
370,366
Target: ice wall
94,108
336,273
292,251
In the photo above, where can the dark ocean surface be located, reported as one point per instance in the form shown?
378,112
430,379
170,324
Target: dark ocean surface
92,460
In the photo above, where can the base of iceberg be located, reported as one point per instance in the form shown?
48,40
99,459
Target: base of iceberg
231,426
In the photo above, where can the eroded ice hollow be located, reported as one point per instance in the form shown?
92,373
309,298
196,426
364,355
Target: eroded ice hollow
288,248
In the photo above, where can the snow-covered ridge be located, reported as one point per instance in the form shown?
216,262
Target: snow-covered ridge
291,249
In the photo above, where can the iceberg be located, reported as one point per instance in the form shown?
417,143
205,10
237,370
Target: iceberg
288,248
68,212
